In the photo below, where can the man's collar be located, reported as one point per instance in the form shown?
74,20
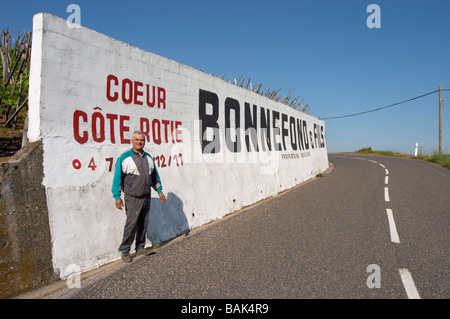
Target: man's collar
140,154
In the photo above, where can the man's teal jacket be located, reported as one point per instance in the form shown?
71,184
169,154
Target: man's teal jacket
135,175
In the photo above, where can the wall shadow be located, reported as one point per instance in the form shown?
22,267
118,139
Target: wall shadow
166,221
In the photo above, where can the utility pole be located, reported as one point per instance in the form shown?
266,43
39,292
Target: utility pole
440,120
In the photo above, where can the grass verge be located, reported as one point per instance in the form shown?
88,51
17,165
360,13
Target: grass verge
441,159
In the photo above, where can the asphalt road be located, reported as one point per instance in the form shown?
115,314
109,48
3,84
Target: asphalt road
332,237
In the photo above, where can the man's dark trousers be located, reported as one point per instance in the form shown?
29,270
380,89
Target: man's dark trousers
138,211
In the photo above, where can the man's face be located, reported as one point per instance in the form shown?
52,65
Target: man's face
138,142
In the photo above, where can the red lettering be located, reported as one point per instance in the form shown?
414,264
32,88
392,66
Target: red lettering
96,127
145,123
124,129
166,124
137,92
115,96
112,118
98,116
125,90
92,164
152,103
161,98
156,131
172,132
133,92
76,126
110,160
178,132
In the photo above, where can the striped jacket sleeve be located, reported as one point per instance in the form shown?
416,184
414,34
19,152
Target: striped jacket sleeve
156,181
118,176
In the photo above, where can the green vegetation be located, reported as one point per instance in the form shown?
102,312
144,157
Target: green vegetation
14,76
441,159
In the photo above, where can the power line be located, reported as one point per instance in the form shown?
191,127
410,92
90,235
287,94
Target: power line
383,107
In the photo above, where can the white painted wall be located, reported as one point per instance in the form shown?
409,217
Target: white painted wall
69,85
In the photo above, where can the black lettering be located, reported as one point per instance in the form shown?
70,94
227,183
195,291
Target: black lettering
265,128
251,131
284,131
322,136
209,121
305,135
232,104
276,130
315,135
293,133
300,135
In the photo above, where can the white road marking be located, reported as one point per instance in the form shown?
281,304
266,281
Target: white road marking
408,283
405,275
373,161
392,228
386,194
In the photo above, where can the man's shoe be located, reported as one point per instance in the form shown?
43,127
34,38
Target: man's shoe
143,252
126,257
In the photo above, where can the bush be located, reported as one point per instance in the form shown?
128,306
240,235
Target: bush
441,159
365,150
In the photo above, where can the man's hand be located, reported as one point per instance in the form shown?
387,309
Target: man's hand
162,197
119,203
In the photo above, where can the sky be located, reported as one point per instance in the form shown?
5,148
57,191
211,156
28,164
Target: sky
320,50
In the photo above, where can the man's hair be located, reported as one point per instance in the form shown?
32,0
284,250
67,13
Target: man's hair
138,133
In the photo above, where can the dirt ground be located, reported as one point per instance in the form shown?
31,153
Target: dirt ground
10,140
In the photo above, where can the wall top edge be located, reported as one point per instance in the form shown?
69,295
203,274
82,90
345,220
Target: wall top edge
49,22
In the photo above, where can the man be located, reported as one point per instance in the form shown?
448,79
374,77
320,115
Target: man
135,174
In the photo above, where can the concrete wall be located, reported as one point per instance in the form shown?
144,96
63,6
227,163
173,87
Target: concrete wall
25,243
218,147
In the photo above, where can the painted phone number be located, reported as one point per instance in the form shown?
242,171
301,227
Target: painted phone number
161,161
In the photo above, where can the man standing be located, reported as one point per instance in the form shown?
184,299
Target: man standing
135,174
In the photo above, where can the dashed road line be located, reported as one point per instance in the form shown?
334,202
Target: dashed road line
406,277
392,228
386,194
408,283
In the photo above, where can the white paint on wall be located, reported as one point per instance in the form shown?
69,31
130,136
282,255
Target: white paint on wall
77,77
